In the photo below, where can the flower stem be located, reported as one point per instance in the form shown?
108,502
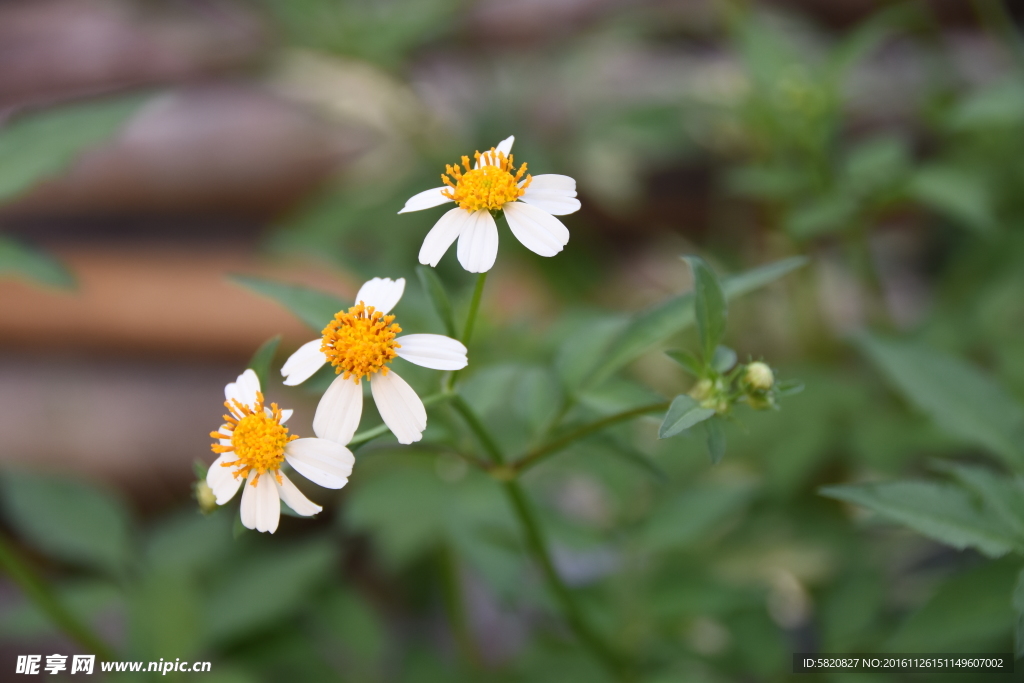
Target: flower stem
538,548
467,331
39,593
537,454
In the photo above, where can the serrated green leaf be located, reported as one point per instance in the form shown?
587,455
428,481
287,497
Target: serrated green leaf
682,414
260,361
40,145
68,519
438,298
959,398
715,436
32,264
653,326
723,360
311,306
709,302
940,511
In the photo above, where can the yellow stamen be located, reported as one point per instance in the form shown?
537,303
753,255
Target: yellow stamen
257,439
360,341
491,185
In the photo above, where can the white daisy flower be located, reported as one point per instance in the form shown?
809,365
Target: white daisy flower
254,442
529,203
361,342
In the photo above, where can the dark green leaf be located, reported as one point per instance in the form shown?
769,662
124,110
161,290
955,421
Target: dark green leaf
438,298
959,398
260,362
715,439
311,306
943,512
724,359
40,145
709,302
653,326
68,519
682,414
34,265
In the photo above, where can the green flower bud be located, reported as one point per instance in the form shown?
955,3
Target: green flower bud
204,496
759,376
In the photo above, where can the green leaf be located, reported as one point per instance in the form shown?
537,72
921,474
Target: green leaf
165,616
34,265
723,360
68,519
709,302
260,362
40,145
688,361
682,414
960,194
943,512
959,398
1000,495
311,306
1018,593
829,213
715,439
653,326
438,298
689,516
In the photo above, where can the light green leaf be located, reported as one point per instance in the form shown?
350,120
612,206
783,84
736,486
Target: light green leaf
311,306
940,511
715,439
34,265
682,414
959,398
724,359
260,361
709,302
960,194
655,325
438,298
688,361
998,105
40,145
68,519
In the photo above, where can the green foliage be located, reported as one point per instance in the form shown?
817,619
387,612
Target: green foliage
34,265
37,146
68,519
438,298
313,307
709,305
682,414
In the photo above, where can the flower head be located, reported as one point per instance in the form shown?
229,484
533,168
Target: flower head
758,376
493,184
361,343
253,445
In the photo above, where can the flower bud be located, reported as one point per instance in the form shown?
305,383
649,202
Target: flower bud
759,376
204,496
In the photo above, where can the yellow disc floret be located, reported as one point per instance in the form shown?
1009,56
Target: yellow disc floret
360,341
258,439
490,186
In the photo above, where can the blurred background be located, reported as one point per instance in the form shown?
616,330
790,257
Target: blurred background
151,149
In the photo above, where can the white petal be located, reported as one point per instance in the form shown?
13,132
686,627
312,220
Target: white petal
248,505
286,414
323,462
552,182
381,293
337,415
478,243
434,351
294,499
268,503
427,199
504,146
243,389
556,197
441,236
222,480
399,406
539,231
302,364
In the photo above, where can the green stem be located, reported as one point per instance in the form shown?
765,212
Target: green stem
536,543
380,430
467,331
39,593
541,452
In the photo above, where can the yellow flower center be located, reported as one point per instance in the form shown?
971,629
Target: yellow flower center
490,186
360,341
256,438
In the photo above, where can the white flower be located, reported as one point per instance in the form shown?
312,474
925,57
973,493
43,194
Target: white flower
254,442
361,342
529,203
